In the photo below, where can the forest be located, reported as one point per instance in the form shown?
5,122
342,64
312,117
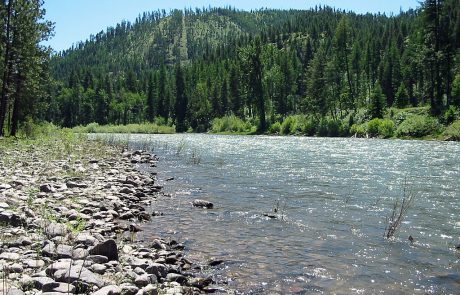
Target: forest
320,71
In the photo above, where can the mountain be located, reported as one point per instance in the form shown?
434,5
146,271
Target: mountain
319,63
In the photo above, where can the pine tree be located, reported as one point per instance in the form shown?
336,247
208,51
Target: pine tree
376,102
151,99
181,100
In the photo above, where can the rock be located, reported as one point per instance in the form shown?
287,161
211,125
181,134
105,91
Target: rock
32,263
80,274
157,244
47,188
56,229
215,262
150,290
4,205
99,268
128,191
128,289
64,251
9,256
79,254
174,277
159,270
127,215
59,288
85,239
98,258
15,268
11,218
203,204
107,248
134,228
72,184
109,290
157,213
169,179
200,283
144,280
39,282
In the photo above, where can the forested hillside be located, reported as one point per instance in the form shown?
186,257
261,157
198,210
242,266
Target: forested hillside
320,71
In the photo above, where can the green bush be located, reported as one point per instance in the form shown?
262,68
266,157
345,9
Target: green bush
231,124
288,126
358,130
148,128
373,127
386,128
418,126
275,128
453,131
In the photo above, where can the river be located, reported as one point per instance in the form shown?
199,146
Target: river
332,198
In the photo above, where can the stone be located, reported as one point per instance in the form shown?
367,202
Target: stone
200,283
128,191
175,277
59,288
79,254
33,263
47,188
4,205
80,274
150,290
107,248
64,251
99,268
109,290
39,282
72,184
203,204
9,256
11,218
15,268
160,270
128,289
98,258
85,239
56,229
157,244
144,280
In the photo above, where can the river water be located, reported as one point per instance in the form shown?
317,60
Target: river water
332,196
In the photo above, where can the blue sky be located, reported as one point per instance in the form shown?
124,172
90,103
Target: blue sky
75,20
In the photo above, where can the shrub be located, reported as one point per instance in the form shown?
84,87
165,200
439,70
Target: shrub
386,128
373,127
230,124
453,131
275,128
286,126
358,130
418,126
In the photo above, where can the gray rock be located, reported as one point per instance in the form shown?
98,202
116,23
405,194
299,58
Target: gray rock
39,282
109,290
150,290
175,277
85,239
47,188
11,218
64,251
203,204
99,268
107,248
15,268
139,271
128,289
59,288
157,244
56,229
4,205
10,256
33,263
98,258
144,280
128,191
160,270
79,254
72,184
83,275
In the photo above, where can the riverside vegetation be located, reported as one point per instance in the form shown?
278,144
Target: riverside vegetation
69,213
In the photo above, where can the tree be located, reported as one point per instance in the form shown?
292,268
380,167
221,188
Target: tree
25,72
181,100
402,96
342,49
151,99
376,102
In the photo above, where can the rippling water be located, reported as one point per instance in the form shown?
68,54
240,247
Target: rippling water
334,195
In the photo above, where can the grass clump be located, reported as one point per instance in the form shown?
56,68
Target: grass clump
453,131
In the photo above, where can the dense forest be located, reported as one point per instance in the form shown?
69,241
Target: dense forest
320,71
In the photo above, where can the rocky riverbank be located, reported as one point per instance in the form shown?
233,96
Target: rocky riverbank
69,213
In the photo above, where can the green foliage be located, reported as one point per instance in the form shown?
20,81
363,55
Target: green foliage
358,130
453,131
231,124
387,128
402,96
418,126
275,128
377,102
456,91
147,128
373,127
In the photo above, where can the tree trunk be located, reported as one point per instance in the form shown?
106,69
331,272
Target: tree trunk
6,69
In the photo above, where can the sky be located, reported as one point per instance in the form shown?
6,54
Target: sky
76,20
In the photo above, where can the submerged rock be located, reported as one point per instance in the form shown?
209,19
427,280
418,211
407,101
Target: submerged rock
203,204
